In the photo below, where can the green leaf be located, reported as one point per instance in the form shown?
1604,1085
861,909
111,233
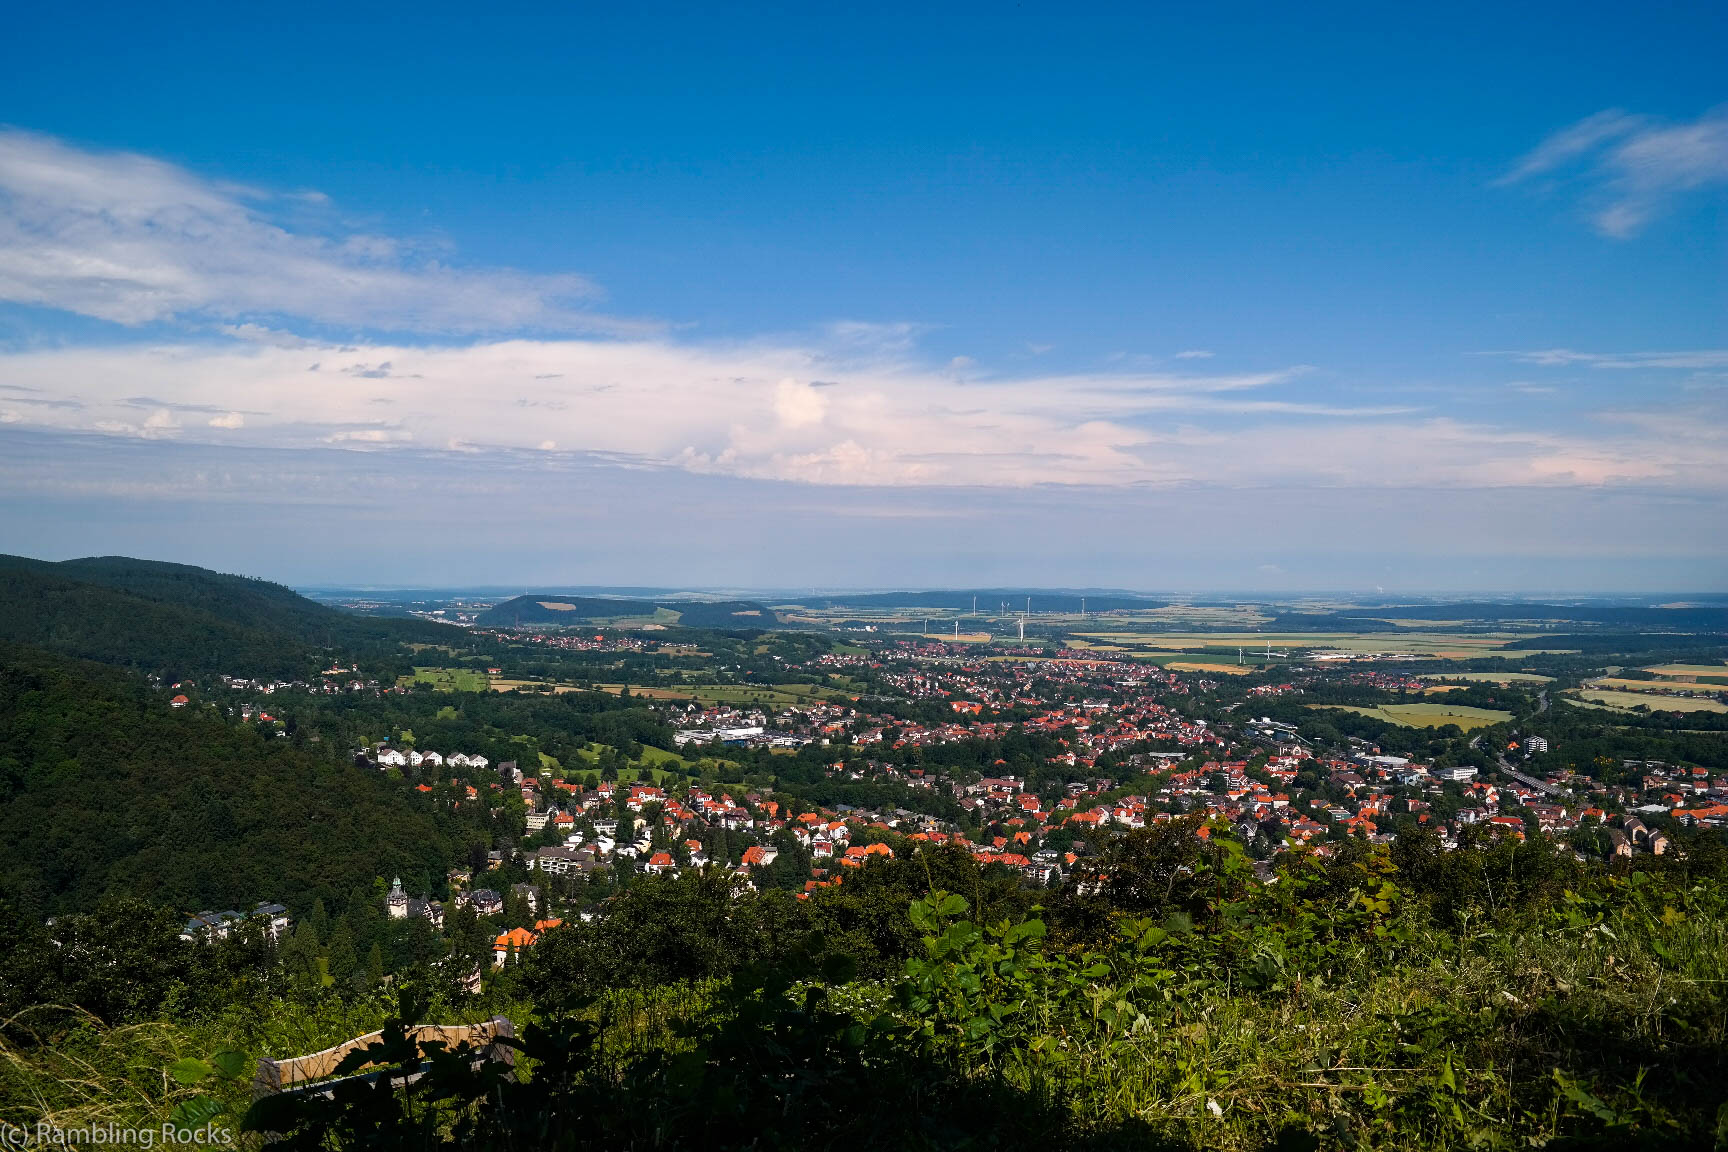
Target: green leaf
190,1070
952,905
231,1064
196,1112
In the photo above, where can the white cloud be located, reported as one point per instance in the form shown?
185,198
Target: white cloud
134,240
1631,167
1194,354
798,405
761,412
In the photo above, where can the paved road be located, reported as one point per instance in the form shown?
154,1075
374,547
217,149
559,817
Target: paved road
1531,781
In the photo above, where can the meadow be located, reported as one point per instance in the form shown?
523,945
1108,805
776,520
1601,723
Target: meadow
707,695
449,679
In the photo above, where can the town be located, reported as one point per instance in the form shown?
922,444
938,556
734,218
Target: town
1027,759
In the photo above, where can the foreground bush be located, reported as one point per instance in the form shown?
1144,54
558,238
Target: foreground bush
1333,1008
1500,996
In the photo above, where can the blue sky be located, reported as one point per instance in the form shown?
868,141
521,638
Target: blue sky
1259,297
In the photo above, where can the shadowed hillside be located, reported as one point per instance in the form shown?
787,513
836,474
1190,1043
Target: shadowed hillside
179,620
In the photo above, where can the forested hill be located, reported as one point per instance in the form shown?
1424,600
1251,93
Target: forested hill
182,621
104,790
552,609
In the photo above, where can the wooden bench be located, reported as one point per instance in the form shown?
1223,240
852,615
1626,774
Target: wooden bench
311,1074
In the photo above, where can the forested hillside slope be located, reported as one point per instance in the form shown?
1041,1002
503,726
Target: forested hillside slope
106,791
179,621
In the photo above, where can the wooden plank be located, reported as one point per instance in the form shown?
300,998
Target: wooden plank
274,1076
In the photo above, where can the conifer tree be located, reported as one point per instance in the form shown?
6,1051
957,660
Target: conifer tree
300,954
340,958
319,921
375,966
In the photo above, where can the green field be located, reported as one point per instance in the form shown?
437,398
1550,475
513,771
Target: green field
1425,715
449,679
771,695
656,765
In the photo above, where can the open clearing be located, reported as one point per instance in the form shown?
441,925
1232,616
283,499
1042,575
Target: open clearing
1425,715
709,695
1628,701
770,694
656,760
1196,666
449,679
500,684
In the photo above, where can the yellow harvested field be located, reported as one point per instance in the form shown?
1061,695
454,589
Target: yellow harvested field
1689,671
1657,687
1193,666
1461,646
1489,677
1425,715
500,684
1626,701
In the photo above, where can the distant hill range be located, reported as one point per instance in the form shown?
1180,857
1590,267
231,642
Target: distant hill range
550,609
1688,617
990,601
183,621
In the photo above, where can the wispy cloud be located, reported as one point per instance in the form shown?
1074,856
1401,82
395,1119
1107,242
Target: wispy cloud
134,240
1699,359
1630,167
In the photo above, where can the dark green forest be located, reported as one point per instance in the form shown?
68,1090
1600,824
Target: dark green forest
105,791
179,622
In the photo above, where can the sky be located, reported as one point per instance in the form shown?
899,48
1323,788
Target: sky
1260,298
